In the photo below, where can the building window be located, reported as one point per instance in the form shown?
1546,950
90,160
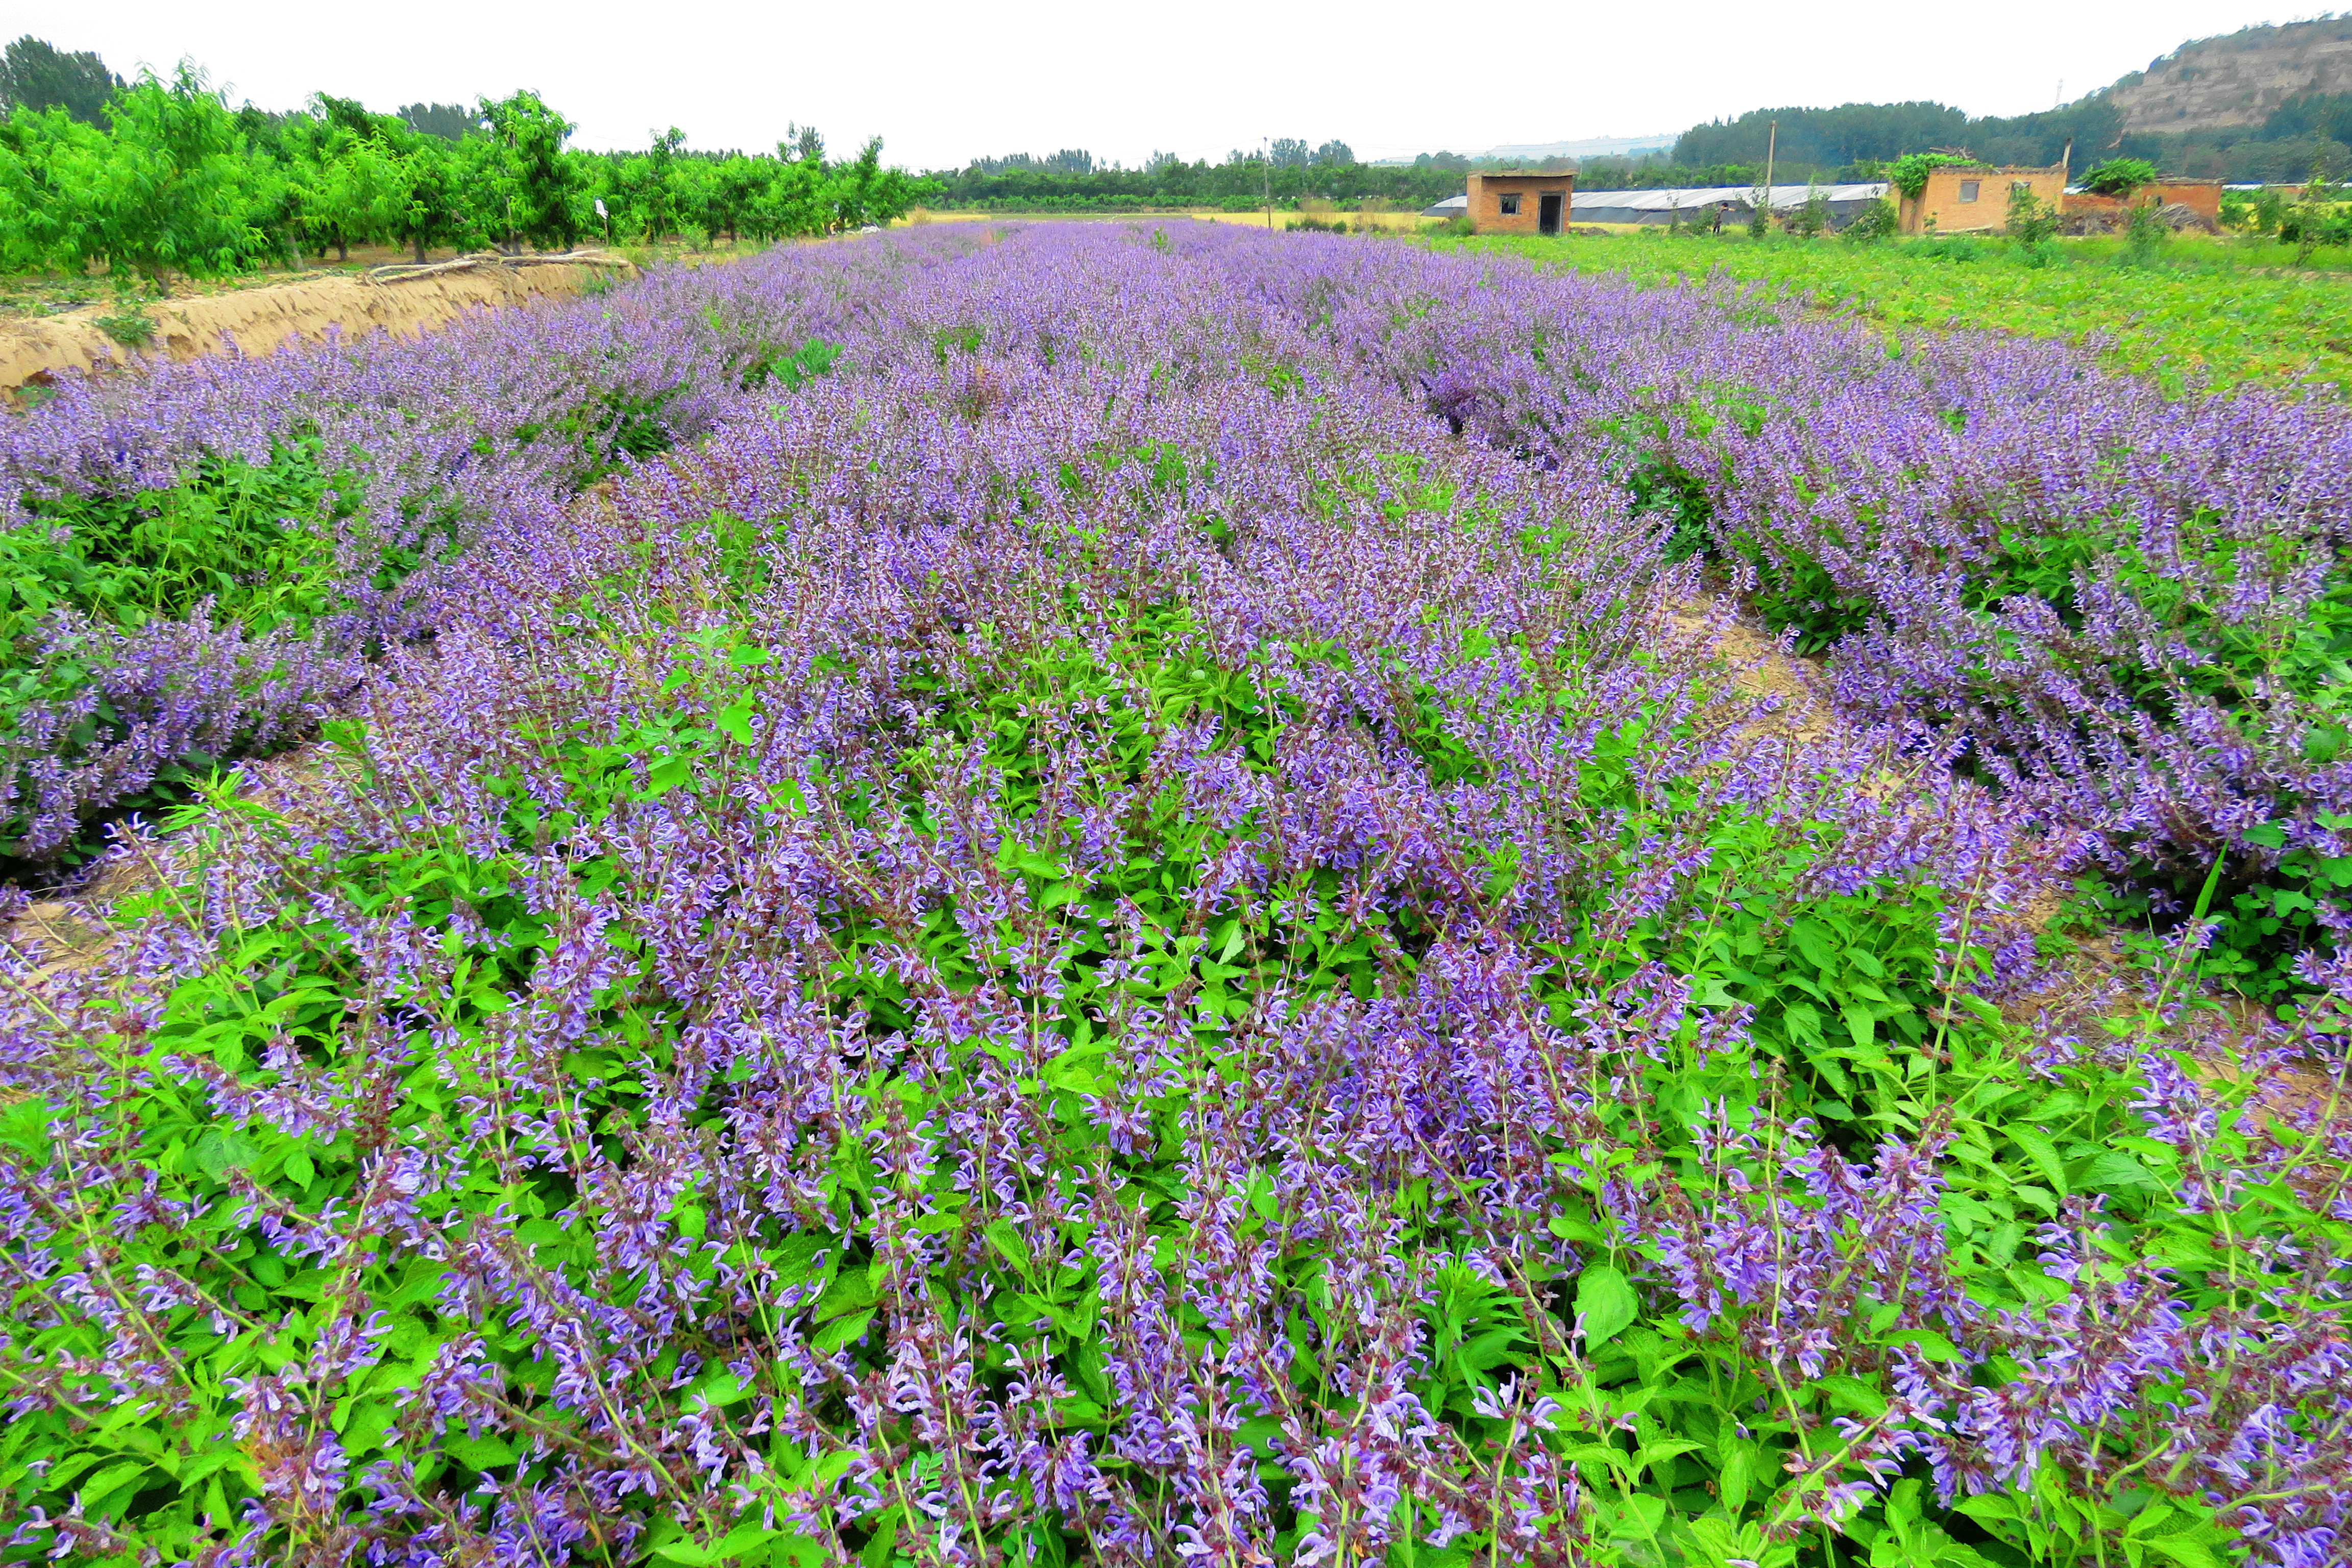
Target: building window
1967,190
1511,206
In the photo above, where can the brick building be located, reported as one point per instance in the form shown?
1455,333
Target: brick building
1972,199
1520,204
2202,197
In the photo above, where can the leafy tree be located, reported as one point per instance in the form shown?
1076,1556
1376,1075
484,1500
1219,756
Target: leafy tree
729,193
37,75
1335,152
2119,177
1289,153
791,202
527,182
864,192
171,188
428,196
341,173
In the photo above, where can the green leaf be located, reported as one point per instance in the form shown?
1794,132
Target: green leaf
841,1331
1932,1346
108,1480
735,721
1854,1396
477,1453
2043,1154
738,1541
2116,1172
1606,1303
1006,1238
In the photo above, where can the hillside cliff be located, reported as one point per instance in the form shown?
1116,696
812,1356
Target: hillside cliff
2239,78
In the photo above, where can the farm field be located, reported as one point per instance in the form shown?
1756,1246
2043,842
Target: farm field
1054,893
2208,312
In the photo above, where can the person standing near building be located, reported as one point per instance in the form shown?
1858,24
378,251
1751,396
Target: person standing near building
1722,211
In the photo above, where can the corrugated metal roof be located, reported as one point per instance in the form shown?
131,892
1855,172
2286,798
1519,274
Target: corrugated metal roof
1691,197
1687,198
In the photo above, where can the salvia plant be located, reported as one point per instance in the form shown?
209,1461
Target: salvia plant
1097,895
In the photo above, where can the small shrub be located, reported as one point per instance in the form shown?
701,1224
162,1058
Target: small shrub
2033,223
1876,221
2144,234
131,327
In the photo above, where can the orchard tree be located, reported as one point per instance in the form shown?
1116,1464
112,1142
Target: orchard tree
45,154
527,180
865,192
429,206
172,188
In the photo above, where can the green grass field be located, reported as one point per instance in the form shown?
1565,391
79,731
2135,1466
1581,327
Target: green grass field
2215,311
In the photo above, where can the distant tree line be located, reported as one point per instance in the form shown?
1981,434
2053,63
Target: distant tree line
37,75
1856,140
1072,180
160,176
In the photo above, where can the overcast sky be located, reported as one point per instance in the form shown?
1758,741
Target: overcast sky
943,83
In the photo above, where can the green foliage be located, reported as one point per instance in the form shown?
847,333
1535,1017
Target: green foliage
1685,1441
1812,219
2119,176
171,186
1861,138
252,545
2033,223
794,368
177,182
129,325
2220,314
1879,220
257,541
528,182
2144,234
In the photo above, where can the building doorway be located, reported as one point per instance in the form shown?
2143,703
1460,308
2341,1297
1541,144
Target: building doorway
1548,212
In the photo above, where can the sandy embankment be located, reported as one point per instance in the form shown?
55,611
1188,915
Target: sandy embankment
261,320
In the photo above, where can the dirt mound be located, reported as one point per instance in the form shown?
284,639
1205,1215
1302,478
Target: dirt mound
403,300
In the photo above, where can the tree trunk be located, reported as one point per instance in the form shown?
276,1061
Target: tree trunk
343,248
420,247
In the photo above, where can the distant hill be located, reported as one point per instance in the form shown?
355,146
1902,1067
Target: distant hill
2261,104
2240,78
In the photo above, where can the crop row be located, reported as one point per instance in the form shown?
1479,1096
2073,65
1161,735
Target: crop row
1067,928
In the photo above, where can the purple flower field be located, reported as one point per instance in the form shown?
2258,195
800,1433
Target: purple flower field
1113,905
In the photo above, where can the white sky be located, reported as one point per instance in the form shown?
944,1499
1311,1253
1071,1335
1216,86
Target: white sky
945,82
